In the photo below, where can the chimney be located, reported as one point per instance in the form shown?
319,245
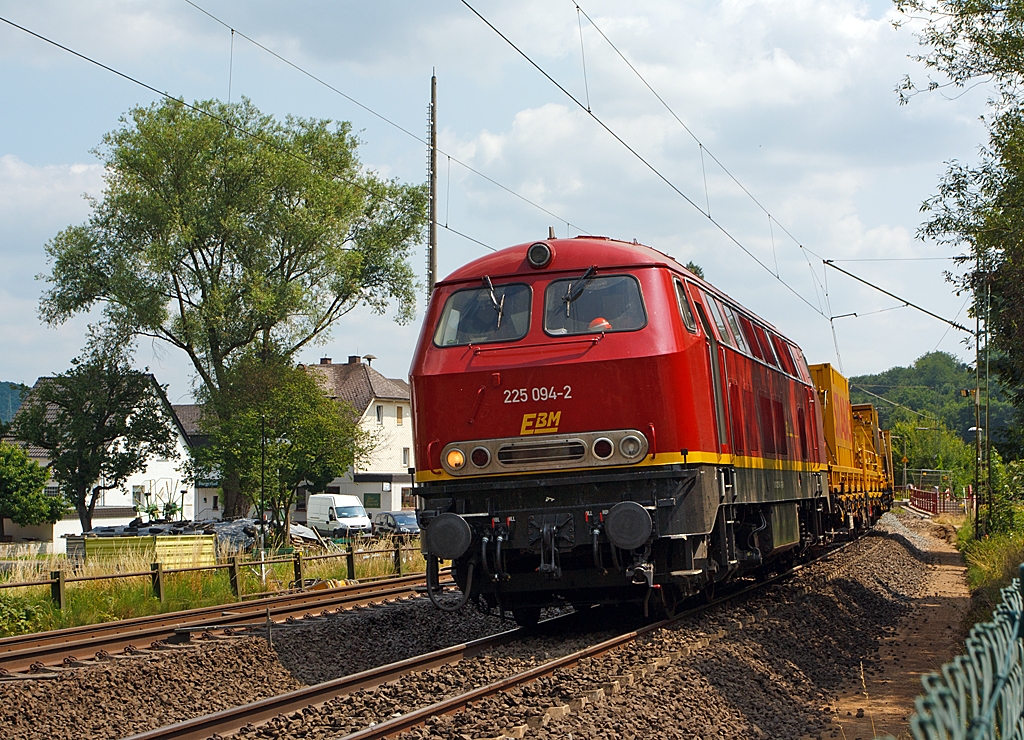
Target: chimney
325,360
354,359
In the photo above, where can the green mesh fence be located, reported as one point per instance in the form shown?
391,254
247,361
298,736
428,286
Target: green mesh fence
980,695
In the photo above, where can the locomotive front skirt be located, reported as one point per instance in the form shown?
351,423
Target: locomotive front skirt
596,424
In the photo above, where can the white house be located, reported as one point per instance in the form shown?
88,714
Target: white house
160,483
383,482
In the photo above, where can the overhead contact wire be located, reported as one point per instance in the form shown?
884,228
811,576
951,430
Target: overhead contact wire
228,124
379,116
640,157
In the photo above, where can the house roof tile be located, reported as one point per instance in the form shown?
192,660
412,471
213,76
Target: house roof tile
358,384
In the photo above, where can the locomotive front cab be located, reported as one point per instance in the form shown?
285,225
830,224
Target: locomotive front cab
570,444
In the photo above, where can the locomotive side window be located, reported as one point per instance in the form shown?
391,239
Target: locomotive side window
801,364
782,350
684,308
499,313
588,305
751,337
766,347
723,327
730,316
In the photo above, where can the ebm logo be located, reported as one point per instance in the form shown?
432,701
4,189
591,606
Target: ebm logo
541,423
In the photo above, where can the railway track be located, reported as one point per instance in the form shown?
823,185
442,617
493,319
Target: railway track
39,651
230,721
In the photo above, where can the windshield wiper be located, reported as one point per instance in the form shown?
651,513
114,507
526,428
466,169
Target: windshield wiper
498,306
572,293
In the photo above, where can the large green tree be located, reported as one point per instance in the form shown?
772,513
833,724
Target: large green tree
221,228
99,422
979,208
931,387
22,486
284,433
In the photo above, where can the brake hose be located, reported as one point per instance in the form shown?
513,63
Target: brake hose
432,585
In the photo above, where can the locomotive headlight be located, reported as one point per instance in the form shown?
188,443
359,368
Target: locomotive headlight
603,448
480,457
455,459
539,255
630,446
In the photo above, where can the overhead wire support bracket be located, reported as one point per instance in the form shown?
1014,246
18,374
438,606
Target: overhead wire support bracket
831,263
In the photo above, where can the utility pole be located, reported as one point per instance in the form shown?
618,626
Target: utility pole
432,160
977,402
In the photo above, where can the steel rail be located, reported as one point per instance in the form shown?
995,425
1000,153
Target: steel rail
234,718
50,648
229,721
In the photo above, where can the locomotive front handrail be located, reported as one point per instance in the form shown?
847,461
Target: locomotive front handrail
477,349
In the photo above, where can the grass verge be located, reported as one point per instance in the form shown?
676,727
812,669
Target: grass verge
30,609
992,563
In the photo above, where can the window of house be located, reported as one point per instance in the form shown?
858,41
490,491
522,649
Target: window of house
399,415
493,313
593,305
405,457
380,414
408,499
216,503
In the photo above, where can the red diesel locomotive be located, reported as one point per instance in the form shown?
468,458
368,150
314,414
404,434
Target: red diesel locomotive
594,423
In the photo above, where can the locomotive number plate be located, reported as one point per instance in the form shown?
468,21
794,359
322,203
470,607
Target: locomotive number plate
540,393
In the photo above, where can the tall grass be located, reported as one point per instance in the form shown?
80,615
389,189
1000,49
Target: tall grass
30,609
992,563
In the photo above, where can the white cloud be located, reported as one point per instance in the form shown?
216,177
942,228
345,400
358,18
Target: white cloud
795,97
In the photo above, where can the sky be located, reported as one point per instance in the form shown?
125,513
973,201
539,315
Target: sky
783,125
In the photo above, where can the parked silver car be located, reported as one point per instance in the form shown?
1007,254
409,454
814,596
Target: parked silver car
395,523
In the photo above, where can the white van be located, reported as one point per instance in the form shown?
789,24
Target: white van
336,515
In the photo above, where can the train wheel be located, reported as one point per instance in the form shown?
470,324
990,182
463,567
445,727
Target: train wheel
666,604
526,616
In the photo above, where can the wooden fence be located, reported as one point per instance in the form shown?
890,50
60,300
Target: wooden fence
158,574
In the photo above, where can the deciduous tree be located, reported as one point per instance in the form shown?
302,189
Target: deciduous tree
22,485
221,228
99,422
283,433
978,208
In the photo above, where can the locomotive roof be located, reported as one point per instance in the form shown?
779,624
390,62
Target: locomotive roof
577,254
